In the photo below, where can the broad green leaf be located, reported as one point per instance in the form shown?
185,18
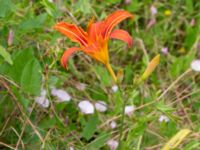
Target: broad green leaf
6,6
84,6
19,62
191,36
5,55
90,127
33,23
20,97
31,78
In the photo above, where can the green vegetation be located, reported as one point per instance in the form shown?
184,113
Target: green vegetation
39,99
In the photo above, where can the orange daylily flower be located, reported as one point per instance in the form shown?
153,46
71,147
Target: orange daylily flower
94,41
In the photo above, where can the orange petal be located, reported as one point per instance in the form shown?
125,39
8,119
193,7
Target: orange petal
94,30
112,20
73,32
122,35
67,54
92,48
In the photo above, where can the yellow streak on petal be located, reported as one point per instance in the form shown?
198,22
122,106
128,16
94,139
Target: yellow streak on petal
176,139
151,67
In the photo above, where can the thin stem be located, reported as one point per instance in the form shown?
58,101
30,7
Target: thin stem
109,68
139,143
122,115
125,100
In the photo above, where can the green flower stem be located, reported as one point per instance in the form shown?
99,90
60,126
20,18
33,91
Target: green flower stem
110,70
125,100
122,115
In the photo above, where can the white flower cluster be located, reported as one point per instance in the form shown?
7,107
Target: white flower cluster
42,100
129,109
60,94
87,107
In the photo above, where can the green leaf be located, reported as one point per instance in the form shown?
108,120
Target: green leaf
129,73
181,64
99,141
48,122
19,62
104,75
90,127
189,6
134,6
31,79
6,6
164,108
20,97
138,129
192,145
33,23
5,55
84,6
51,8
191,36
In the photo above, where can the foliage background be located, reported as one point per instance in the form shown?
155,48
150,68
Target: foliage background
31,63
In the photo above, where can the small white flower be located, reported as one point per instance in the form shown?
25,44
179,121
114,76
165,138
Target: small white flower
164,50
113,144
71,148
127,1
129,110
101,106
163,118
42,101
61,95
50,1
113,124
43,93
114,88
153,10
86,107
195,65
